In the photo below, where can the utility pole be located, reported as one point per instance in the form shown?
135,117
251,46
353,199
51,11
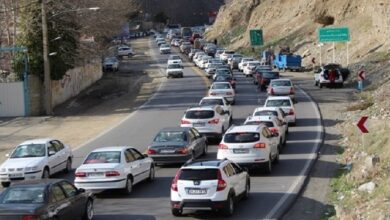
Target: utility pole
46,61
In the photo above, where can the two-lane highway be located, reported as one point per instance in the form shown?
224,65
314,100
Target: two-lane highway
270,195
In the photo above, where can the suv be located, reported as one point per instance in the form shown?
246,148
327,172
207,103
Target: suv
328,75
218,100
125,51
251,145
211,121
209,185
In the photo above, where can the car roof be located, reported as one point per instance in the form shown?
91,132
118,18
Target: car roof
281,80
221,83
278,97
213,97
204,107
245,128
175,129
112,148
201,164
37,141
37,182
266,109
261,118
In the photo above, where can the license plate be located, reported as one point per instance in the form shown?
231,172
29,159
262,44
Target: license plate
167,151
240,151
98,174
199,124
197,191
15,175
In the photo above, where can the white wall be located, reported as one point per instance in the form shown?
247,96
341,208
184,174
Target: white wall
11,99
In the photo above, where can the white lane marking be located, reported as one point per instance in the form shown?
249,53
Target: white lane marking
153,54
313,155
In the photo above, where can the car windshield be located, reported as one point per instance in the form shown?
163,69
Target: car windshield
170,136
111,59
221,86
222,71
174,66
199,114
211,102
253,64
164,45
223,78
266,123
266,113
103,157
23,195
198,174
281,83
29,150
244,137
278,103
271,74
174,57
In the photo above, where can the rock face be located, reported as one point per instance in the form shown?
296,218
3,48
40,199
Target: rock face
367,187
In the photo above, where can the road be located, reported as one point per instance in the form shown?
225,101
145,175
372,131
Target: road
271,195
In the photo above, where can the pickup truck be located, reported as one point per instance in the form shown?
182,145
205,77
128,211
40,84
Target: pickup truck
288,62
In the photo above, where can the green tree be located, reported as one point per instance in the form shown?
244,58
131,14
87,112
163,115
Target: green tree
161,17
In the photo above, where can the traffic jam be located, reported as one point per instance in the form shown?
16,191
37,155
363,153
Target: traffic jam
215,184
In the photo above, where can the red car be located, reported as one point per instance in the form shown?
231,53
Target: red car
194,36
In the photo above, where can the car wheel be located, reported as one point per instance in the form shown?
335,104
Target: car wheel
321,85
316,83
5,184
88,214
152,174
129,186
177,212
268,166
247,189
68,167
46,173
229,208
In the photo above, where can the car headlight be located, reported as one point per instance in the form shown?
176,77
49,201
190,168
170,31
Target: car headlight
33,168
3,170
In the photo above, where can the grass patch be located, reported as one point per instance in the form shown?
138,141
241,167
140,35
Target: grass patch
227,38
378,57
366,100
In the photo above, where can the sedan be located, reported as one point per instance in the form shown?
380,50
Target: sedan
223,89
174,70
286,104
177,145
165,49
281,87
226,78
36,159
44,200
114,168
110,63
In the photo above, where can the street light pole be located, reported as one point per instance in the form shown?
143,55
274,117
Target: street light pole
46,62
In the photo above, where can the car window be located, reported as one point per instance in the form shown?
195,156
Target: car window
103,157
266,132
219,110
129,156
266,113
221,86
196,133
211,102
58,145
57,193
69,189
243,137
229,171
23,195
236,168
170,136
198,174
278,103
200,114
137,155
191,136
51,147
281,83
29,150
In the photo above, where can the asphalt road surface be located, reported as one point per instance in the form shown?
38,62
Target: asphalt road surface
271,195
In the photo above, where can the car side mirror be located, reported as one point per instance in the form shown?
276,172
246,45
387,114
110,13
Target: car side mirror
51,153
80,190
145,155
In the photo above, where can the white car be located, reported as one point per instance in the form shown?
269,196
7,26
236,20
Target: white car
204,61
197,54
273,123
165,48
211,121
328,76
218,53
250,145
215,185
199,60
110,63
125,51
285,103
218,100
223,89
174,59
226,54
36,159
159,39
114,168
281,87
272,111
250,67
174,70
244,62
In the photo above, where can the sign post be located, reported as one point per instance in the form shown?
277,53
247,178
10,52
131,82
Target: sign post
256,37
361,77
340,34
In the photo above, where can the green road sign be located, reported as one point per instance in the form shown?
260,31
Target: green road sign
256,37
333,34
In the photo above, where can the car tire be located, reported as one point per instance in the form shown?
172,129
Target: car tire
176,212
316,83
268,166
46,173
152,174
129,186
68,167
247,189
229,207
320,85
5,184
88,213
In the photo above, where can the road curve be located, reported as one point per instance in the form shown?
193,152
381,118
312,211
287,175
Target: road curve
271,195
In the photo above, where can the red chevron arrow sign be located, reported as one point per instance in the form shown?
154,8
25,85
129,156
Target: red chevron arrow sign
362,74
361,123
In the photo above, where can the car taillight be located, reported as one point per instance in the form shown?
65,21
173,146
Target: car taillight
214,121
174,181
112,173
221,183
259,145
223,146
80,174
30,217
292,90
184,122
151,151
183,150
213,93
272,91
291,112
229,93
274,130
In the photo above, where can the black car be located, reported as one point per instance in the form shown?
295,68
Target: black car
226,78
177,145
265,77
45,199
